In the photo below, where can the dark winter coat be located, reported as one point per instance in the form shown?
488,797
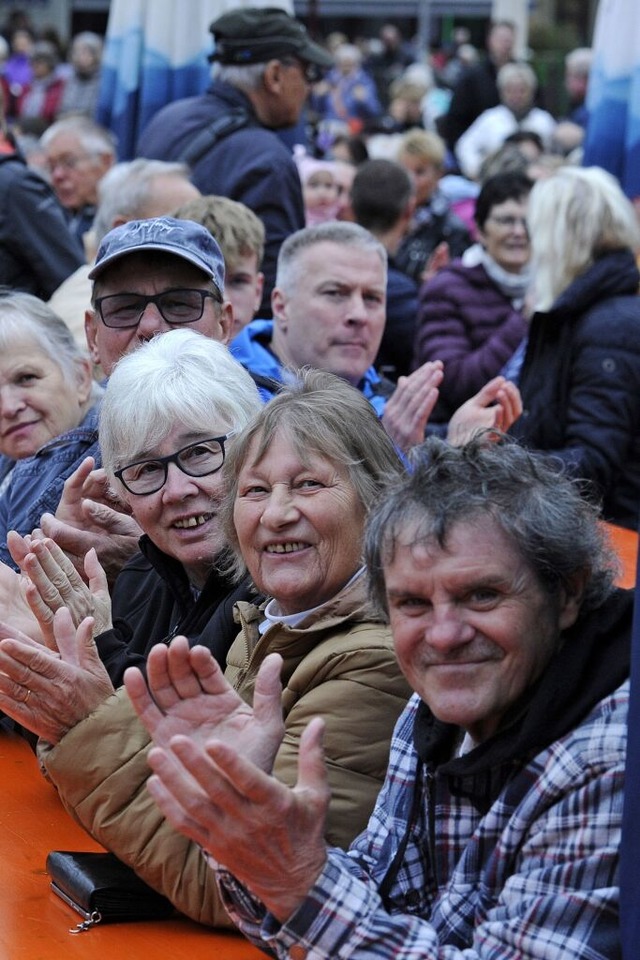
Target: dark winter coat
250,165
468,323
580,383
153,602
37,249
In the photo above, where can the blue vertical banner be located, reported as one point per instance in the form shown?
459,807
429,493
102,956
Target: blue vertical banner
156,52
613,133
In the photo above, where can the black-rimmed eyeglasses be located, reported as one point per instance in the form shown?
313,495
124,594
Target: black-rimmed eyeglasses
124,310
196,460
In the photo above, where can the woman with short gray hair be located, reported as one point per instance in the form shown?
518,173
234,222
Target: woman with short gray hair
170,414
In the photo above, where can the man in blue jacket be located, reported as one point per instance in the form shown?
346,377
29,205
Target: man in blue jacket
265,62
329,308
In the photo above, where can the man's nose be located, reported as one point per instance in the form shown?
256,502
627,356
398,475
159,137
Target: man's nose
151,322
447,629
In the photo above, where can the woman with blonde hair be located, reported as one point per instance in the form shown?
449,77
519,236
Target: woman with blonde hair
580,380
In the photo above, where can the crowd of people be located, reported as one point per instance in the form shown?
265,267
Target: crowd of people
305,449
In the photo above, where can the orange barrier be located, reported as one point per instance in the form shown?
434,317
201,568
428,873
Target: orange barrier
34,922
626,544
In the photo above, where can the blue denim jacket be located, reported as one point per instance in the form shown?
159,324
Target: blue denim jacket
36,482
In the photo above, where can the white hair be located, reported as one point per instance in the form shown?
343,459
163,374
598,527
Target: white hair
177,377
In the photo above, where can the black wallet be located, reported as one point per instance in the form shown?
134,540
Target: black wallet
102,889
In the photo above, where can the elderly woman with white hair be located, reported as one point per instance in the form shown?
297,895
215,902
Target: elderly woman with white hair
580,381
517,85
170,411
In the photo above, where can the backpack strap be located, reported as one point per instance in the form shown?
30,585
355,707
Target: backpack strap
217,130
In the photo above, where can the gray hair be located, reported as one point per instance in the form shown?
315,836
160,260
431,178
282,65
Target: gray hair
24,317
542,513
95,139
516,71
127,188
87,38
246,78
579,61
178,377
575,216
342,233
321,415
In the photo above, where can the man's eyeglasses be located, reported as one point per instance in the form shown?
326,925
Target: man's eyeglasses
124,310
510,222
196,460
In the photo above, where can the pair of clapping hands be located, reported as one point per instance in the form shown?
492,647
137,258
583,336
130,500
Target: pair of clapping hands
89,523
212,756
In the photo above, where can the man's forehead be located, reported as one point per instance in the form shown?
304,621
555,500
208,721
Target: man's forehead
344,263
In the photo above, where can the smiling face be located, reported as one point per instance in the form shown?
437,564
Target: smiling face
504,235
182,517
299,525
333,317
38,401
472,627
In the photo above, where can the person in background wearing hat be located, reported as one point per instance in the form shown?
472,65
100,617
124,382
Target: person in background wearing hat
264,64
150,276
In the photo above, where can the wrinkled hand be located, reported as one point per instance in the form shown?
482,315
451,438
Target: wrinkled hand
49,692
89,515
14,608
187,693
270,836
51,581
495,408
411,404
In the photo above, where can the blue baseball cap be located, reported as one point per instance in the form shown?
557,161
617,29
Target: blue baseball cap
183,238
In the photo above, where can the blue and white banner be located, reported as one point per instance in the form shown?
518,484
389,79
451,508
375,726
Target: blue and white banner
613,133
156,52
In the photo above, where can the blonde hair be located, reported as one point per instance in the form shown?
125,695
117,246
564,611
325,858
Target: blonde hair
423,144
574,217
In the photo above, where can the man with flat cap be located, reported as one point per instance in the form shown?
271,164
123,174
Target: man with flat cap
264,62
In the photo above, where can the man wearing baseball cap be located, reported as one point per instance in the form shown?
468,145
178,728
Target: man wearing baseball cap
149,277
264,62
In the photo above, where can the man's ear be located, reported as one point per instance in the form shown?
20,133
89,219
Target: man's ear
279,309
571,600
273,77
90,331
225,319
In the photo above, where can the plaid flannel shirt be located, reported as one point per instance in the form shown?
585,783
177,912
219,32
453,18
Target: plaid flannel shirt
533,876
